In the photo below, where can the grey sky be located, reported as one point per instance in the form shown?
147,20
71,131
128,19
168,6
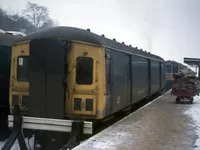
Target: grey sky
168,28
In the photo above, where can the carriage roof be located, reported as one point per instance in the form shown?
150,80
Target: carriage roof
76,34
175,62
7,39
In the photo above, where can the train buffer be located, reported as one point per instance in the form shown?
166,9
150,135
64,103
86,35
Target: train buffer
17,133
161,124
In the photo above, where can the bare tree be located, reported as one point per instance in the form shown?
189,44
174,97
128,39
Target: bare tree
13,14
38,15
49,23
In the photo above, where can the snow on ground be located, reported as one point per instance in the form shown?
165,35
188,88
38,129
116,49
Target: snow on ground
194,113
2,31
16,145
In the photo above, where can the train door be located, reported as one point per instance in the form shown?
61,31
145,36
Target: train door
129,79
19,75
109,81
160,74
121,80
86,80
47,71
149,77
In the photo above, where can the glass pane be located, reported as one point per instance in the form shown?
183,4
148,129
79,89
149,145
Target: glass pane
174,68
84,70
22,69
168,68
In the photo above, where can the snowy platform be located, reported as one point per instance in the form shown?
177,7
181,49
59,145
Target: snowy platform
159,125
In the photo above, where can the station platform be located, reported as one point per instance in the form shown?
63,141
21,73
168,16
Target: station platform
160,125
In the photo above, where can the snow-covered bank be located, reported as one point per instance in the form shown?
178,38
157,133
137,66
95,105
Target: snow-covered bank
194,113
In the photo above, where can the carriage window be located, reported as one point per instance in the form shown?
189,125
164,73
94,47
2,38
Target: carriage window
168,68
22,69
174,68
84,70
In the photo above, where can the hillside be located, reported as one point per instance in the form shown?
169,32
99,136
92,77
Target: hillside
15,23
30,19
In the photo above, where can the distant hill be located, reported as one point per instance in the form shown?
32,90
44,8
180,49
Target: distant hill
31,18
15,23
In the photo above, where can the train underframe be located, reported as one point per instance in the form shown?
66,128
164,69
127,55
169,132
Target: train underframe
45,133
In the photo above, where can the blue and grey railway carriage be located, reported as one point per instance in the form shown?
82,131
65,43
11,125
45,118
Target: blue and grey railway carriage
63,74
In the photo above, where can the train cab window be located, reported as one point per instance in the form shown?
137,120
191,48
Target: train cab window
168,68
174,68
84,70
22,69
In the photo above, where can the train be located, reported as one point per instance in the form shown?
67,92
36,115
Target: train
6,42
64,76
172,67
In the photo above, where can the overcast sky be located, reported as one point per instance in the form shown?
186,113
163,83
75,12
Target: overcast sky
168,28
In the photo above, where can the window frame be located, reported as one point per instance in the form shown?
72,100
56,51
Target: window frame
92,73
18,79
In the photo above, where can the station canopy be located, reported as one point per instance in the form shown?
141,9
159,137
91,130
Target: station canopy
192,61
